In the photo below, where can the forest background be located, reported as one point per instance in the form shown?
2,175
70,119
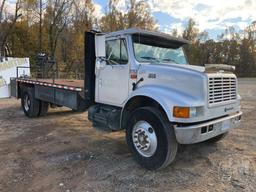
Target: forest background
56,28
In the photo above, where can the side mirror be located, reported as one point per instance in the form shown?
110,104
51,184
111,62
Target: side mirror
100,52
100,47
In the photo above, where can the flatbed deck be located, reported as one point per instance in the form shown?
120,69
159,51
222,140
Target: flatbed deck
71,84
61,92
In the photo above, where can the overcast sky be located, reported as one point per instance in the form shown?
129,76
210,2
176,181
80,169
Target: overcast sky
211,15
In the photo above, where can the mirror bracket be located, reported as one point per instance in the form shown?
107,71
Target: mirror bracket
100,47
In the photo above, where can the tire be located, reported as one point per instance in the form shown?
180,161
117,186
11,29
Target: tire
217,138
29,103
44,106
77,110
156,156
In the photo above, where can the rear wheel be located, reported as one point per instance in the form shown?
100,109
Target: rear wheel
44,106
151,138
29,103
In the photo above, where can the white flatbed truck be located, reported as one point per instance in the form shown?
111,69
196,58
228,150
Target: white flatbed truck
141,81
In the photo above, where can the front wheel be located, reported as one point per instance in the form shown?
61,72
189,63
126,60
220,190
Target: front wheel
151,138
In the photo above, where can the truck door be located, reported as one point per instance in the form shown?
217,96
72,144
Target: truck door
112,78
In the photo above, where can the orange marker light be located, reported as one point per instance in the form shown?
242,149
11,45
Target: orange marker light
133,74
181,112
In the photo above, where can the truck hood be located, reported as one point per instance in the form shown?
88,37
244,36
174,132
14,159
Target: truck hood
184,79
169,69
212,68
189,67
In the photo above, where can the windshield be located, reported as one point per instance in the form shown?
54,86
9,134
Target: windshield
158,53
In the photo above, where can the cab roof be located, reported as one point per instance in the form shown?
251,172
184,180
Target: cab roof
156,35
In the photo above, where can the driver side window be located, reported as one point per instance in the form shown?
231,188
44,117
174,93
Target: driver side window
116,52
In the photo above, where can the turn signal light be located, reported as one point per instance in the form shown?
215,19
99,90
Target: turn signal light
181,112
133,74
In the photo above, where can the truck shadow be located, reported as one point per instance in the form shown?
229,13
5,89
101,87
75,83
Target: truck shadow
187,156
192,154
61,112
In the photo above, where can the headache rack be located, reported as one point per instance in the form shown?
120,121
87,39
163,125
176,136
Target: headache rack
221,88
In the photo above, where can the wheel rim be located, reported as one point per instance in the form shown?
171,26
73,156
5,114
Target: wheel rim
27,102
144,138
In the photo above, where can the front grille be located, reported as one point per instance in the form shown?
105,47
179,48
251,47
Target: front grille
222,89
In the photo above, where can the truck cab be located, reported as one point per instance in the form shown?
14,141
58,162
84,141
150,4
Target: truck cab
144,81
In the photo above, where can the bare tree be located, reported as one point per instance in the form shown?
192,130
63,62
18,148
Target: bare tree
1,10
7,24
137,14
57,18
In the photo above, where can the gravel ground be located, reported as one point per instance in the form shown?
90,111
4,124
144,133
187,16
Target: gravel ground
62,152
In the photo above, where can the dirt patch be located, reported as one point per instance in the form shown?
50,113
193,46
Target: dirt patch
62,152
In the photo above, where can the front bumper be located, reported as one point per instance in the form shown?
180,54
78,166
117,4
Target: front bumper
204,131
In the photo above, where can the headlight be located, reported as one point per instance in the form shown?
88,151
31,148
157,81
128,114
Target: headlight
192,112
184,112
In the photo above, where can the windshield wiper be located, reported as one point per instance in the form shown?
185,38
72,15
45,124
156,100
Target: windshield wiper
150,58
168,59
